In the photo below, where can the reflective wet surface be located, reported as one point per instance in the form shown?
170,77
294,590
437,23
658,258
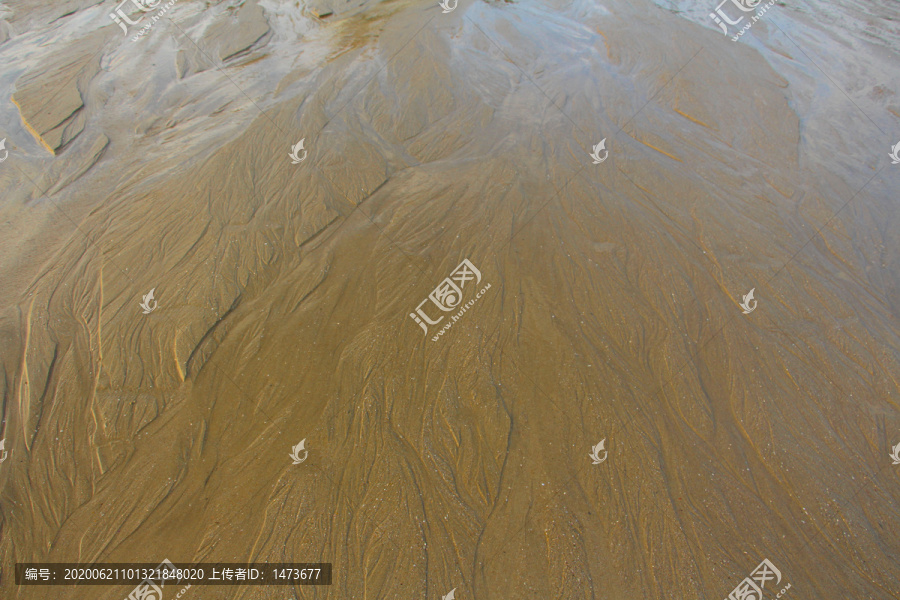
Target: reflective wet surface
568,300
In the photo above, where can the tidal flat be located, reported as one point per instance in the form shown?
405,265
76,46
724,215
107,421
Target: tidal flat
479,300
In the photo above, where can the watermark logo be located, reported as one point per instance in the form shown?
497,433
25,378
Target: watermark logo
894,455
294,154
596,153
4,453
449,596
296,450
6,152
748,298
895,154
120,17
447,296
148,303
447,8
147,589
751,587
595,452
743,5
721,18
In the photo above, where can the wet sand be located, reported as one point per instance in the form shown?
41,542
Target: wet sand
613,312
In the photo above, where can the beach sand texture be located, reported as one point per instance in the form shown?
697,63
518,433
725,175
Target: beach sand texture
600,300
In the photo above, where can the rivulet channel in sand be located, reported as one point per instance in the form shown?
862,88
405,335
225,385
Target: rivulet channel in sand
284,295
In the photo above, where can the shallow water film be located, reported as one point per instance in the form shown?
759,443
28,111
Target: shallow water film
450,299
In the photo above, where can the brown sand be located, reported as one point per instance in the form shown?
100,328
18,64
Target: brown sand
284,294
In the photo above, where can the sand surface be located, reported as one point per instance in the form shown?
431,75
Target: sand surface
599,302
